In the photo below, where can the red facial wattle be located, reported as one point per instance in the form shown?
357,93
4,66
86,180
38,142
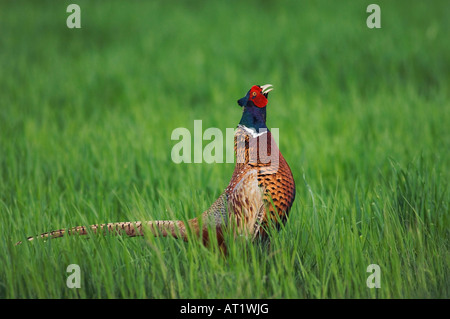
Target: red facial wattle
257,97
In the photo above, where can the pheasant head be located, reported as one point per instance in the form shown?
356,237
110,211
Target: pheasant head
254,104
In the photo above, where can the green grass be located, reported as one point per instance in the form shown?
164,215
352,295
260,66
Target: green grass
86,118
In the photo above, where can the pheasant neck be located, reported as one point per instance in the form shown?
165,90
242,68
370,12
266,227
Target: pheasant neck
254,117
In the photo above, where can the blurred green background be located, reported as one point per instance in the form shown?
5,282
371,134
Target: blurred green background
86,117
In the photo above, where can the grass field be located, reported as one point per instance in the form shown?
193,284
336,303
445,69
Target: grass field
86,117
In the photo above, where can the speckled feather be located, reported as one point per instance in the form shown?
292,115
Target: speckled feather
273,179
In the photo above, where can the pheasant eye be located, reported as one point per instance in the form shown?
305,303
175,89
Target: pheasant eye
254,93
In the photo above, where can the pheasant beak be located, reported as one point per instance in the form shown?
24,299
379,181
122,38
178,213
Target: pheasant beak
265,89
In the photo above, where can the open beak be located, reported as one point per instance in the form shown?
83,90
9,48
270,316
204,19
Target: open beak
265,89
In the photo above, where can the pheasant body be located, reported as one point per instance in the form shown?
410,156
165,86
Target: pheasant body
261,189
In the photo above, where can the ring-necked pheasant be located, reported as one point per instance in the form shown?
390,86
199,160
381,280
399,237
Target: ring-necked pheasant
261,187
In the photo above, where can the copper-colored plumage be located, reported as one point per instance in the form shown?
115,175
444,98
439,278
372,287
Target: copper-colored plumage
261,163
261,189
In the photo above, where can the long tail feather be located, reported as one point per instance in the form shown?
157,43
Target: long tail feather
216,215
163,228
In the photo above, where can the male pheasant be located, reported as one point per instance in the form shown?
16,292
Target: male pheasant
261,189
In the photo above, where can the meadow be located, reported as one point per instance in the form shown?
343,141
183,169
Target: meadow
86,117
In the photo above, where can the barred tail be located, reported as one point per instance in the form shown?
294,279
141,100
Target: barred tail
215,216
163,228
